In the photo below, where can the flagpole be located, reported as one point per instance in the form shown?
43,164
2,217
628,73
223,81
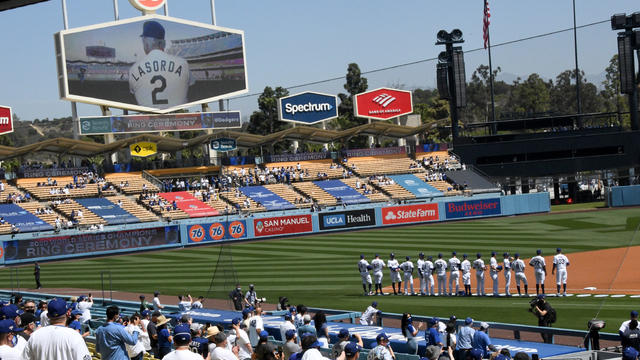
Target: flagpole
494,128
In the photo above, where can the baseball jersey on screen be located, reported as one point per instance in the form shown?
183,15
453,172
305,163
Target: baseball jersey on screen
160,80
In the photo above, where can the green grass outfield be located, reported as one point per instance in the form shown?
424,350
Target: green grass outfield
320,270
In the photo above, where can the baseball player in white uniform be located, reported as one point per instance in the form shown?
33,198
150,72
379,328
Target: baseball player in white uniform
407,269
454,274
493,272
479,266
159,80
394,268
364,267
428,274
506,264
518,267
367,317
560,263
377,266
540,269
421,275
441,273
466,274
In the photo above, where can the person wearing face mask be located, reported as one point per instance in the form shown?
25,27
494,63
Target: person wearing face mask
410,332
237,297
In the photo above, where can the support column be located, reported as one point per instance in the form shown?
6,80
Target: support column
295,143
556,189
324,127
372,141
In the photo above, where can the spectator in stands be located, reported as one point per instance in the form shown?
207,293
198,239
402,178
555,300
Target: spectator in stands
164,337
41,313
465,338
135,352
8,330
74,322
410,333
432,336
182,338
631,336
28,324
12,312
482,341
84,304
256,326
306,328
322,331
111,338
198,344
264,347
56,341
629,354
343,341
221,352
291,345
157,306
185,303
382,351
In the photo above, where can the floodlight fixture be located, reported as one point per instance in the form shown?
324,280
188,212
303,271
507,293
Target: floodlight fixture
443,57
456,35
618,21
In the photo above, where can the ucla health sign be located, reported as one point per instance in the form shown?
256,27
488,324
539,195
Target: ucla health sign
471,208
347,219
308,107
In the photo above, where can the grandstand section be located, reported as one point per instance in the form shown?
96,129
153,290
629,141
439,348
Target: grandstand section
78,214
265,197
186,202
472,181
316,169
286,192
130,183
111,212
57,188
142,214
343,193
371,192
383,165
11,193
310,189
392,189
42,211
240,202
416,186
21,220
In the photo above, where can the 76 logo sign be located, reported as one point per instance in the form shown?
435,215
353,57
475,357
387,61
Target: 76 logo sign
196,233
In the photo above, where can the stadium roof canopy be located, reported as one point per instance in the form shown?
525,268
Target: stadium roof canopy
11,4
71,147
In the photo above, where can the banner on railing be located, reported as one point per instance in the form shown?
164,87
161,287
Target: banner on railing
347,219
16,250
282,225
410,214
298,157
472,208
217,231
374,151
33,173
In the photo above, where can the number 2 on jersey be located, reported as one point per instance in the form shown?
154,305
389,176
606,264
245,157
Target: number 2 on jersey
159,89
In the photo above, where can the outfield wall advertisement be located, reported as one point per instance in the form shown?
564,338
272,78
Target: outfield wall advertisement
473,208
283,225
347,219
217,231
410,214
70,246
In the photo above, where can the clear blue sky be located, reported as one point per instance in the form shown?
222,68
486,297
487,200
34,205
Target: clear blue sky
291,42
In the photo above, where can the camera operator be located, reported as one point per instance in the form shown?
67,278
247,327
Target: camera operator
545,313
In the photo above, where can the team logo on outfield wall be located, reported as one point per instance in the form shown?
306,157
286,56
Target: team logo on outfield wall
409,214
6,120
308,107
147,5
283,225
383,104
464,209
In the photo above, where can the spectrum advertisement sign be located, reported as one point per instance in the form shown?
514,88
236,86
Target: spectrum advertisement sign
217,231
308,107
347,219
471,208
410,214
282,225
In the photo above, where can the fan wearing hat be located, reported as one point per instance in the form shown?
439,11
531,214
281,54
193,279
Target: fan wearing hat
28,324
343,340
74,322
481,340
56,341
286,325
256,325
198,344
432,335
306,328
182,338
12,312
540,270
382,351
112,337
8,330
84,304
465,338
291,345
221,351
352,351
164,337
242,340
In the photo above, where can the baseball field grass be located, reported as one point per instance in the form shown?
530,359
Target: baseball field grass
321,271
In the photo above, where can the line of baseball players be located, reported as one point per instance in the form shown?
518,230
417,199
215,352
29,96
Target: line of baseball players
428,268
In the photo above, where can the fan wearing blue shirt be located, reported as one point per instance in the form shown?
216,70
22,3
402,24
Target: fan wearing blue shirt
112,337
432,336
481,340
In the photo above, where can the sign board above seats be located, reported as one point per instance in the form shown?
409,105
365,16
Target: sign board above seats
383,104
308,107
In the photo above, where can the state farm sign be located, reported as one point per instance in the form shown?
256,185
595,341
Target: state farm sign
383,104
282,225
6,120
409,214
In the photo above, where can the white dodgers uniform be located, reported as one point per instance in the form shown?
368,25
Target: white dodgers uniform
507,276
454,275
377,265
160,80
393,266
407,269
518,268
493,271
561,263
364,272
423,280
478,264
367,317
538,264
466,272
428,275
441,272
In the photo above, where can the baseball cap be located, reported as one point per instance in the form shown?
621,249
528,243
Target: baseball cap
505,254
382,336
156,293
558,249
361,256
343,333
57,307
306,317
502,357
484,325
541,296
236,321
293,309
538,251
629,353
408,257
634,314
153,29
493,253
81,298
351,349
287,316
468,321
476,354
264,334
516,255
27,318
439,255
453,318
421,255
290,334
246,311
433,352
376,255
479,255
374,304
10,311
464,256
76,312
392,255
146,312
454,253
196,326
9,326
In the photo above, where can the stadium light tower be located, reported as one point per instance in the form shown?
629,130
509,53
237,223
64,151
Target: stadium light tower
628,40
451,75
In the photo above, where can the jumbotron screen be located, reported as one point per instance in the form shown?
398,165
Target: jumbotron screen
150,63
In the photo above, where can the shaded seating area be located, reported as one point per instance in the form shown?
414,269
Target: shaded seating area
61,188
383,165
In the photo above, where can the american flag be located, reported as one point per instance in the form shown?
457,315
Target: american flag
486,20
